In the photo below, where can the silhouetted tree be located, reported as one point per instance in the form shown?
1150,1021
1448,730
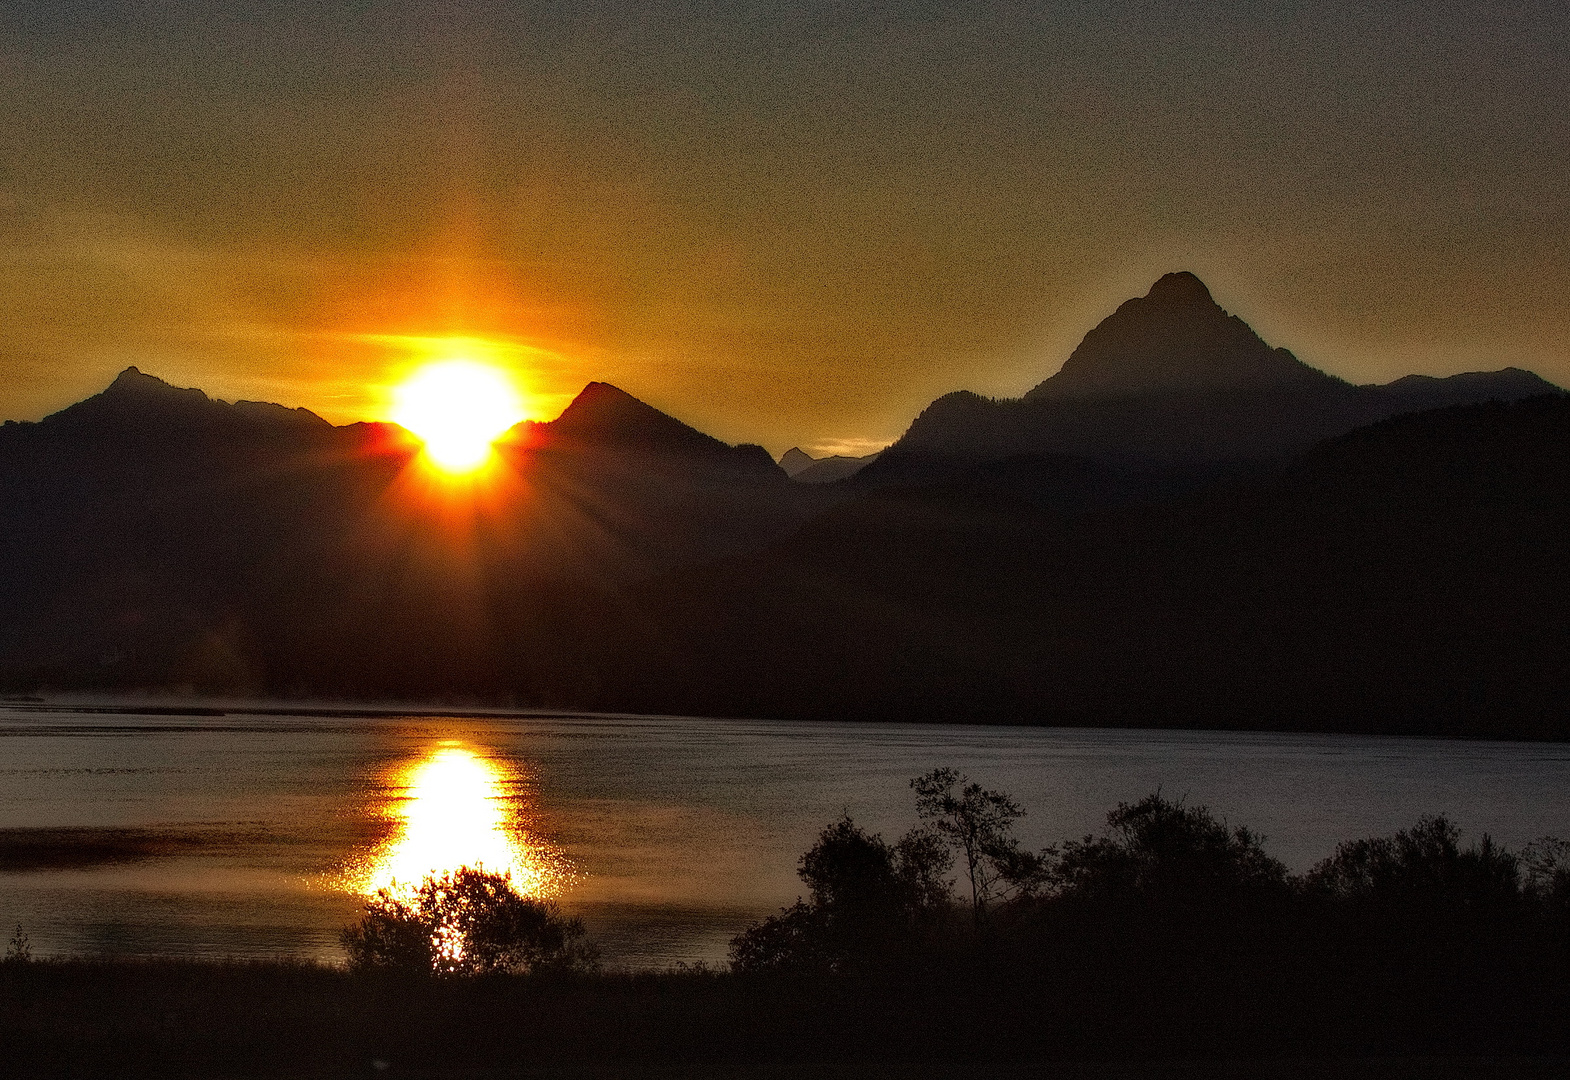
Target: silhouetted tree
794,940
1545,872
979,825
866,898
1423,867
850,873
463,923
1160,848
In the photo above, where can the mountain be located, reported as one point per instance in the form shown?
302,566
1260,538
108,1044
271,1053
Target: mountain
152,536
805,469
140,404
605,418
1171,383
1417,393
1176,340
795,460
1408,577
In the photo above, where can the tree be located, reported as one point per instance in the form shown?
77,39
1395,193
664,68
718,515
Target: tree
1424,867
794,940
1545,866
466,922
866,899
1163,851
979,825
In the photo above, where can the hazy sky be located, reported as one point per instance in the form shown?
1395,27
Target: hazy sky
782,222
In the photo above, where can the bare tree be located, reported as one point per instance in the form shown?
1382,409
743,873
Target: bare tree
979,824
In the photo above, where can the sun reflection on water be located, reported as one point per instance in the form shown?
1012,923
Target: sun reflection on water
455,808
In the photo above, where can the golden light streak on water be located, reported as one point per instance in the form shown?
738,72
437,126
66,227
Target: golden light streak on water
453,808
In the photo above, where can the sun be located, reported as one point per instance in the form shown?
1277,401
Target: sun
457,408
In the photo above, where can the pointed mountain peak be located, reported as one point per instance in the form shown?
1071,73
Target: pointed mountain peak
600,394
1180,288
601,405
605,414
795,460
135,384
1174,339
139,403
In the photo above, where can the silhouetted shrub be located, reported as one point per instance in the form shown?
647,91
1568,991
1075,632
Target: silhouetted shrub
1158,849
795,940
1545,867
20,948
464,923
866,898
1423,868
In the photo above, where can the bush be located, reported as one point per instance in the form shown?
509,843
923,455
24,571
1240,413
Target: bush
867,898
1163,851
1422,868
467,922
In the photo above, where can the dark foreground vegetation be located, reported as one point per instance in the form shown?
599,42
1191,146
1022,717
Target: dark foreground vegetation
1171,945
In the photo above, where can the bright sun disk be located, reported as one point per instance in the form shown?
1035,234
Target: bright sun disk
458,408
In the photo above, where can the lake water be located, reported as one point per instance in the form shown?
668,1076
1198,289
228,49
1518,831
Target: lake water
256,835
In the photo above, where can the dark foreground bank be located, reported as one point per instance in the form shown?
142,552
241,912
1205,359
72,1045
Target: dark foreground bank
88,1018
1172,945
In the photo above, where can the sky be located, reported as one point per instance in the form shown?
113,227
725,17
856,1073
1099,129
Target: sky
784,223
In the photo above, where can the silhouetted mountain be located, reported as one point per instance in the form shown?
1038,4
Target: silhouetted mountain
152,536
140,404
604,417
1407,577
828,470
795,460
806,469
1416,393
1176,340
1170,384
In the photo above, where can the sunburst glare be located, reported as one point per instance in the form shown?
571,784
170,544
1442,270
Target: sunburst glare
455,812
458,408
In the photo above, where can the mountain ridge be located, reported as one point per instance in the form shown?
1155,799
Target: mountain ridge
1171,381
1174,338
138,403
1406,575
803,468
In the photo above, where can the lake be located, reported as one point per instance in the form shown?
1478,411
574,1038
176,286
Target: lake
241,834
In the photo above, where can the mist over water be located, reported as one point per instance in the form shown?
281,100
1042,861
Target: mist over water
245,835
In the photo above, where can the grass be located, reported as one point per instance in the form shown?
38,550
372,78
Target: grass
92,1018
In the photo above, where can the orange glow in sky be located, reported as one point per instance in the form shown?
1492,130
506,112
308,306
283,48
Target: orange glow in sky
458,408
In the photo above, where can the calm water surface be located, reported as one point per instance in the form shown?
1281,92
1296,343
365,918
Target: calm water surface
668,835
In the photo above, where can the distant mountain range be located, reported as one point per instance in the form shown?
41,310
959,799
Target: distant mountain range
1409,577
806,469
152,536
1182,527
1171,384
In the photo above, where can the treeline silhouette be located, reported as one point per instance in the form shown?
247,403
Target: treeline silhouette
1174,932
1172,936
